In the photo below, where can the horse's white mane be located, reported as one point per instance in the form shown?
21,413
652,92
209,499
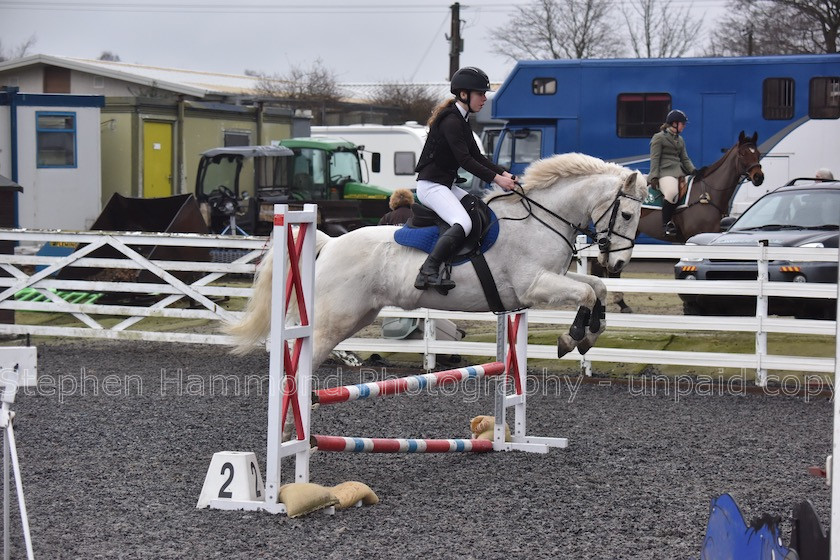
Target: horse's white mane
545,172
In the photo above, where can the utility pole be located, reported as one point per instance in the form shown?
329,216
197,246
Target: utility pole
456,45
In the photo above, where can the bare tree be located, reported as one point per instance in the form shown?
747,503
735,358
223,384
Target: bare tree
413,102
824,16
317,84
765,27
548,29
109,56
315,88
17,52
658,29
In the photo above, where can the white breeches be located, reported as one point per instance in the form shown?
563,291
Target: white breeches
670,187
446,202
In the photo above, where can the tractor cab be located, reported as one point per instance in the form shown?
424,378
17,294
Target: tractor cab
238,187
232,183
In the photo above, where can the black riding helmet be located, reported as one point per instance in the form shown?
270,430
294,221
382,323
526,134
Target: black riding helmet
676,116
469,79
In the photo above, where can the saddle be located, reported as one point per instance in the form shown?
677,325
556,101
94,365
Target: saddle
654,197
423,228
480,239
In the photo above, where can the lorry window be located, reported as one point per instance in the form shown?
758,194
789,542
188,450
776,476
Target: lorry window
375,162
520,146
824,102
488,139
638,115
544,86
404,163
777,99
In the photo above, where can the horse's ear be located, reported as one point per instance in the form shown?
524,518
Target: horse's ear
742,136
754,138
630,182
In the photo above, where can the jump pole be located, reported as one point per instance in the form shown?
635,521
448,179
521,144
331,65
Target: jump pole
399,385
387,445
510,393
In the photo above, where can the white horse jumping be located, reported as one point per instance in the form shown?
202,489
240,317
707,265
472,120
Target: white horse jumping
359,273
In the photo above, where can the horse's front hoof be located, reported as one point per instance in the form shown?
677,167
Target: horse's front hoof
584,347
627,309
565,344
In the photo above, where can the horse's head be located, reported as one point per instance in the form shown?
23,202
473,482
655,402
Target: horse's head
748,158
616,221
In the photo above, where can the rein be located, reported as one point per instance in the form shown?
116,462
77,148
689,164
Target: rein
603,241
706,199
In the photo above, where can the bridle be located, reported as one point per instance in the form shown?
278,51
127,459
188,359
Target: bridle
742,174
602,237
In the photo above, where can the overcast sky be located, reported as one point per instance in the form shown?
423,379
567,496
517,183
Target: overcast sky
359,40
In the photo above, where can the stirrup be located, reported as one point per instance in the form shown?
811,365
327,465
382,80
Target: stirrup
438,280
670,229
442,285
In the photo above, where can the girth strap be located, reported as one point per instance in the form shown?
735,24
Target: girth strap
488,284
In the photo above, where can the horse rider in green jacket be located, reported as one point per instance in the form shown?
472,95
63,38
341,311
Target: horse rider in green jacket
669,162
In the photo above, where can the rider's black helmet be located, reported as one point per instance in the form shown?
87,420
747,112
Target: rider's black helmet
675,116
469,78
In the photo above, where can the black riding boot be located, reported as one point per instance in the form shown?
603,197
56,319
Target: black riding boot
447,244
668,225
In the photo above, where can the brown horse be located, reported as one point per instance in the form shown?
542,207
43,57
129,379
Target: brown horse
708,200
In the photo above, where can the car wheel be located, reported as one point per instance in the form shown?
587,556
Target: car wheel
692,308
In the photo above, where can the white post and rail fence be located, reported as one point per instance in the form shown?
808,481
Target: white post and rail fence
197,296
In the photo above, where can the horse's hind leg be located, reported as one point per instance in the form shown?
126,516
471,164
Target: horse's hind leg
617,297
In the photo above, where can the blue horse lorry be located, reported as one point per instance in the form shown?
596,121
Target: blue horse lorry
610,108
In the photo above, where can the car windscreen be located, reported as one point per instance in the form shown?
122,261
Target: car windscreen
805,209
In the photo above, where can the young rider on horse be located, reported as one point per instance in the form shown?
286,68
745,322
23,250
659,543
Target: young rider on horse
668,162
451,145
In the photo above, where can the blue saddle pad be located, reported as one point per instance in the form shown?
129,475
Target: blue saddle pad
424,238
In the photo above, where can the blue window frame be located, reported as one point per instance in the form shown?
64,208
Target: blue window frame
56,139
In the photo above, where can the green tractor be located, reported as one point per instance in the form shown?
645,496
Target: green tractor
237,187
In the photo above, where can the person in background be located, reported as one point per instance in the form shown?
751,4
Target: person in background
669,162
824,173
400,205
450,145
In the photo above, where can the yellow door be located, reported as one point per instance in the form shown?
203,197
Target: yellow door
157,159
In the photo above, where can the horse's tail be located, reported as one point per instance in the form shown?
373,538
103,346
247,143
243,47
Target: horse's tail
255,324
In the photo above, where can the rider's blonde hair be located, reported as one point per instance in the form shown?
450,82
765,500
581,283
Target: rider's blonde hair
438,110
